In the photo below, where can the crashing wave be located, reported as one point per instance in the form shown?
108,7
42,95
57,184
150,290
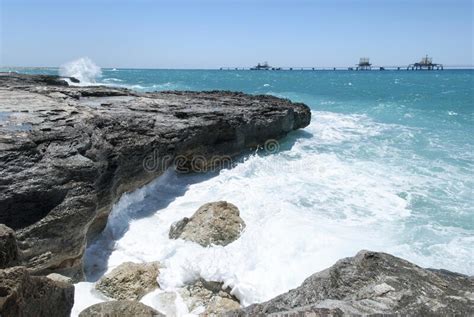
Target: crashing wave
83,69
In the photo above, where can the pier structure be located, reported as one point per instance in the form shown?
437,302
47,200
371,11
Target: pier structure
264,66
364,64
425,63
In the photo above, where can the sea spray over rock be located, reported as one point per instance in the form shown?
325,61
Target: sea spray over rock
83,69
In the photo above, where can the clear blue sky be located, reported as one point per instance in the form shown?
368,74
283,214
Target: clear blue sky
212,33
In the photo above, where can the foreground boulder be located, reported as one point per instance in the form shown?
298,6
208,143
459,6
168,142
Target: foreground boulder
376,283
130,281
67,154
213,223
120,308
8,247
211,296
24,295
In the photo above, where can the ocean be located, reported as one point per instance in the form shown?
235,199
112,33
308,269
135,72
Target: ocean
387,164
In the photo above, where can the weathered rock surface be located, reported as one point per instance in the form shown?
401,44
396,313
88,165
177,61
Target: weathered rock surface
120,308
376,283
213,223
24,295
8,247
130,281
68,153
59,278
211,295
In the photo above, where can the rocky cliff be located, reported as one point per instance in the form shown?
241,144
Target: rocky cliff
68,153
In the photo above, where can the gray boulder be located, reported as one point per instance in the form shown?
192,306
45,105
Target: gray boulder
67,154
8,247
120,308
375,283
213,223
24,295
130,281
211,295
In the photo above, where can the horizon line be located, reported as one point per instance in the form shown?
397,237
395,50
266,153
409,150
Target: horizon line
294,68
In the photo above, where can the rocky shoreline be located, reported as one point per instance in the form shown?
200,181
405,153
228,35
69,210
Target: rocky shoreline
373,283
67,154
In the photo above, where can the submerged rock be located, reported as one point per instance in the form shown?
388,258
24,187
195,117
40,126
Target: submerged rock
24,295
120,308
210,296
8,247
213,223
376,283
67,154
130,281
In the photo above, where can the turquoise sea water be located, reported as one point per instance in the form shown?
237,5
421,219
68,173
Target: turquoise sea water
387,164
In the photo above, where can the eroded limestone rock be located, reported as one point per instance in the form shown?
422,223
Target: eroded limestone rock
22,294
213,223
120,308
130,281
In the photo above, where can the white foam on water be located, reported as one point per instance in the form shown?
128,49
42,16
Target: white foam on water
113,80
83,69
305,208
85,295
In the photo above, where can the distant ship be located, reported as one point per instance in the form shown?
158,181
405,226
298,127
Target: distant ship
264,66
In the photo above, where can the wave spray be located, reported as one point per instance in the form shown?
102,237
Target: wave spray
83,69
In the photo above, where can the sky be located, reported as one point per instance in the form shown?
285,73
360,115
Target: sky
235,33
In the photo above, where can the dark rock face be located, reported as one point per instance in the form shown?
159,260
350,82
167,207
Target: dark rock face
213,223
24,295
68,153
376,283
8,247
120,308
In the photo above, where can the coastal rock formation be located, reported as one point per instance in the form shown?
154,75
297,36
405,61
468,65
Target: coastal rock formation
211,295
8,247
376,283
120,308
213,223
130,281
24,295
67,154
